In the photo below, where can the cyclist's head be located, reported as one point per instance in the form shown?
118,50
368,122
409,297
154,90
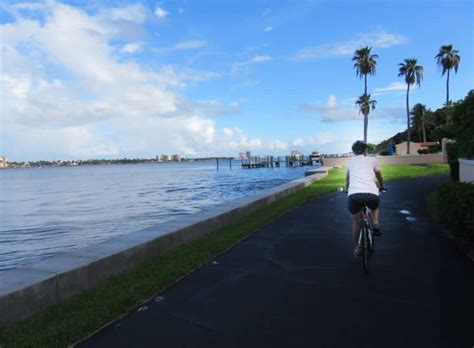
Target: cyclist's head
359,147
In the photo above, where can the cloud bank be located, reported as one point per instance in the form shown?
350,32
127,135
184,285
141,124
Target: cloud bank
375,39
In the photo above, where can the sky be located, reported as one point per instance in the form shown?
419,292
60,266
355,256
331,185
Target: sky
114,79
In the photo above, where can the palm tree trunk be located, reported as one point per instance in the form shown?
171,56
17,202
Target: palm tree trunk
447,89
366,125
423,129
408,121
365,80
366,117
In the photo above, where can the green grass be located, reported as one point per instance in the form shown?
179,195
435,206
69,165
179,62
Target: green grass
405,171
74,319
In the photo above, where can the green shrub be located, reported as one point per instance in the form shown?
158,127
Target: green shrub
444,131
453,154
384,153
463,119
456,207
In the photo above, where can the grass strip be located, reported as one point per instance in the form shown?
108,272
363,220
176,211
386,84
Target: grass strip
74,319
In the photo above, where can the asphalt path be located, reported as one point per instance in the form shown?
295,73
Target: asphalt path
295,283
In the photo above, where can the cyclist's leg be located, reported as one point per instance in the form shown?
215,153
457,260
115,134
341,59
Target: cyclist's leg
373,203
356,225
376,216
354,205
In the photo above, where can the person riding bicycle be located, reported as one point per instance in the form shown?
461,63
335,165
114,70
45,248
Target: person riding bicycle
362,189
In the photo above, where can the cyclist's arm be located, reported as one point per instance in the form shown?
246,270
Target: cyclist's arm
378,175
347,180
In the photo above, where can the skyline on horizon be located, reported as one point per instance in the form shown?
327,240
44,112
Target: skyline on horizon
205,79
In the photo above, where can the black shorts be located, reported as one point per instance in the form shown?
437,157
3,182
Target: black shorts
356,201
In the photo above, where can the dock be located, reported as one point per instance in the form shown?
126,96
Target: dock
272,162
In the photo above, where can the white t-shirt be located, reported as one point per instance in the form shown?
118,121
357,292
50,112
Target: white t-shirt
361,175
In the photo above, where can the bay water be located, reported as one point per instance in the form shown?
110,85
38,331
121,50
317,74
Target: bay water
46,211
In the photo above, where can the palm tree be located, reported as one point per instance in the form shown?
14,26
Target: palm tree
413,74
365,105
418,120
365,63
447,58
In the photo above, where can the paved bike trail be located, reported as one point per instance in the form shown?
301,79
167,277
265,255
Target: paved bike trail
295,283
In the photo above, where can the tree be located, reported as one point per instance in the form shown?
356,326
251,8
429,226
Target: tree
365,105
365,64
419,120
447,59
463,120
413,73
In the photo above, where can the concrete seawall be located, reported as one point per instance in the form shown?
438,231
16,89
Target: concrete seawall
30,288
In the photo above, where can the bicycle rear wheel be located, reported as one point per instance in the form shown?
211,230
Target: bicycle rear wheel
371,238
365,249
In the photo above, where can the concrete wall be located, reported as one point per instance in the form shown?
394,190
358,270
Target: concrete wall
466,170
28,289
401,149
406,159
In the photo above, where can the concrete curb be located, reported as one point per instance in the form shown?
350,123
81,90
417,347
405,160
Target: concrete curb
28,289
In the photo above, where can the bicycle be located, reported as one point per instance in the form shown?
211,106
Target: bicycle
366,236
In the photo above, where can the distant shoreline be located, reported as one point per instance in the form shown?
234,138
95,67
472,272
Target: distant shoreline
101,162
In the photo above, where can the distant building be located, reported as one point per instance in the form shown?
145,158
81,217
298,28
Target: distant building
158,158
242,155
165,158
3,162
176,158
248,154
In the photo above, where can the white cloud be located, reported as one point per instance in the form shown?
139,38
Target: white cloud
258,59
393,87
183,46
278,145
319,139
136,13
65,100
213,108
268,29
324,138
132,47
236,140
190,45
298,142
228,132
375,39
160,12
332,111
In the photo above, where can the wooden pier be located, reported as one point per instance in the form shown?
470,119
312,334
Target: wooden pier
272,162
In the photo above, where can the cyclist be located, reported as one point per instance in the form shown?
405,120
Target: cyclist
361,189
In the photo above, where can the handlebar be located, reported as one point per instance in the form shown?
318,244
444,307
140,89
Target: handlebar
381,189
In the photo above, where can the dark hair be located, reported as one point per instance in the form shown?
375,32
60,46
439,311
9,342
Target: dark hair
359,147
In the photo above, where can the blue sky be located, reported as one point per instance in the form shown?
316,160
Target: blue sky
111,79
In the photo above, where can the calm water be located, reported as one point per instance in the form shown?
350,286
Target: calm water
45,211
